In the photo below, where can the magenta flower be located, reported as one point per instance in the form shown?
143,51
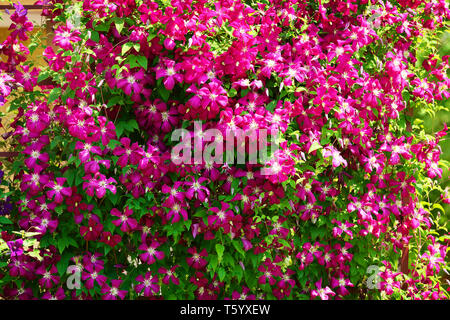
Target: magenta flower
34,151
286,280
323,293
397,148
65,36
168,117
128,152
244,295
59,295
131,82
110,239
86,150
98,184
337,159
56,61
57,190
169,275
269,272
4,88
92,231
374,161
113,292
213,98
148,285
174,193
37,121
49,279
150,253
93,166
35,180
197,261
126,223
341,283
176,209
342,228
169,71
76,78
195,188
20,23
221,217
27,78
105,132
388,282
92,276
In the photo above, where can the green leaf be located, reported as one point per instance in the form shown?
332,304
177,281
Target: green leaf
315,146
114,101
63,263
232,92
142,61
54,94
120,126
164,93
132,61
70,176
439,207
213,262
78,179
359,259
221,274
103,26
62,244
238,247
119,25
94,36
4,220
271,106
238,272
72,242
113,198
284,242
42,76
235,184
220,249
126,47
132,124
113,143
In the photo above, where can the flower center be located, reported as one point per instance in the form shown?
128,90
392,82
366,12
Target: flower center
170,72
114,292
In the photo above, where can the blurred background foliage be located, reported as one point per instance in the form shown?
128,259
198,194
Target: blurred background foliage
433,124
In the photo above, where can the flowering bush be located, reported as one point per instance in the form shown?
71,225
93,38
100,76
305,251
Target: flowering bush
345,210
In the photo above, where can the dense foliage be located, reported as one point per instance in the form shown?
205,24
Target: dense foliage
345,211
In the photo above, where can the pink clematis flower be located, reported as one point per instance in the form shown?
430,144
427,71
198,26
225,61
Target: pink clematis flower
131,82
197,261
148,284
92,275
150,253
113,292
169,71
195,188
57,190
126,223
169,275
323,293
65,36
337,159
